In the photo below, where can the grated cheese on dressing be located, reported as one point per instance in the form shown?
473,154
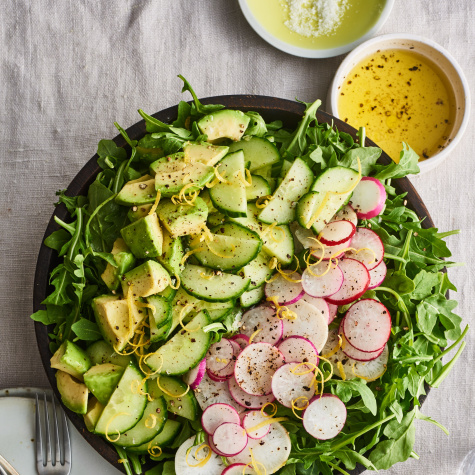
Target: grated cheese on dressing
313,18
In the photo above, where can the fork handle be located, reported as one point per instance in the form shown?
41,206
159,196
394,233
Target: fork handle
4,466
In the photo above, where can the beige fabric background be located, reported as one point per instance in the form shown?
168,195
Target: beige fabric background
69,69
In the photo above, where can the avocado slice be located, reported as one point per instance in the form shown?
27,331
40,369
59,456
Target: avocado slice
137,212
223,124
137,192
125,260
112,317
205,153
101,352
183,219
71,359
147,279
102,379
74,394
172,253
94,411
144,237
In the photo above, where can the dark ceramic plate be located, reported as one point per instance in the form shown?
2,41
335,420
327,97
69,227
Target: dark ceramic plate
270,108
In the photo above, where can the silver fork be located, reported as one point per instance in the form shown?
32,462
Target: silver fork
53,454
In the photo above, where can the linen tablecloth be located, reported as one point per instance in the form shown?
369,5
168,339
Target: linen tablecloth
70,69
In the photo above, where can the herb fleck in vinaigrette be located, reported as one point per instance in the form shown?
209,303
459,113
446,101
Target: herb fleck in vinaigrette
399,96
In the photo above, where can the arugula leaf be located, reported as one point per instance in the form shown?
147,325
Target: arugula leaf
408,163
57,239
198,108
257,125
86,330
368,157
110,155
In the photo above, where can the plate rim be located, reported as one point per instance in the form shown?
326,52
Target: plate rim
263,104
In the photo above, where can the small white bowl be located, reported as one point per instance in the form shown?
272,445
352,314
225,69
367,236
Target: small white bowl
434,52
307,52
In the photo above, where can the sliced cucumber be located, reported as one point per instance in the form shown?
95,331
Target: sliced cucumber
259,151
260,187
125,407
152,422
183,351
162,333
161,317
163,439
215,219
258,270
334,187
229,197
252,297
167,294
184,405
281,207
219,314
219,288
100,352
236,230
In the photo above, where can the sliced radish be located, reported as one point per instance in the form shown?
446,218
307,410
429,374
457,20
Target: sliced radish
371,370
355,283
330,252
241,339
358,355
325,417
293,383
217,414
297,349
247,400
333,309
348,214
311,322
369,248
230,438
252,423
188,458
286,291
322,280
211,392
218,378
255,367
219,355
270,453
377,275
367,325
238,469
194,376
262,318
337,232
227,371
368,198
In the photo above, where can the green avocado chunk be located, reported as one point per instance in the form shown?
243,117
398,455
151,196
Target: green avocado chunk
205,153
71,359
102,379
94,411
125,260
147,279
172,253
101,352
183,219
144,237
74,394
222,124
137,192
137,212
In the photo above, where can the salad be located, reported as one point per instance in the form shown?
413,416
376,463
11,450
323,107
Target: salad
236,297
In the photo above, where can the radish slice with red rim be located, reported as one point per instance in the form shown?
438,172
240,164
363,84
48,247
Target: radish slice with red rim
222,375
293,384
188,458
255,367
194,376
337,232
330,252
241,339
355,283
262,318
367,325
333,310
347,213
219,355
369,248
368,198
247,400
311,322
377,275
230,438
286,291
325,417
217,414
254,419
297,349
238,469
322,280
358,355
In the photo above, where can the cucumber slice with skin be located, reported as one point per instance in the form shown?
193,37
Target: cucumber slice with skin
219,314
252,297
259,151
229,197
260,187
125,408
161,317
100,352
258,270
184,405
163,439
281,207
152,422
183,351
220,288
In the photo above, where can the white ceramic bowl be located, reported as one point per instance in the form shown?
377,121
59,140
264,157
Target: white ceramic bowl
434,52
312,53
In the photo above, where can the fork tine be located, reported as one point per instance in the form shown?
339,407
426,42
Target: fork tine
66,442
39,439
57,448
47,433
